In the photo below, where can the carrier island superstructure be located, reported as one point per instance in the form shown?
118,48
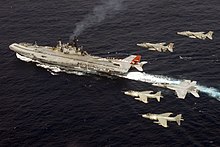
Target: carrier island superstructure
70,57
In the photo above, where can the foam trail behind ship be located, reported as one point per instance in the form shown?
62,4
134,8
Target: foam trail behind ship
138,76
144,77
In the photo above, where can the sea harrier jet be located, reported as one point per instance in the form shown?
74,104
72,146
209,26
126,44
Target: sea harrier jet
198,35
161,47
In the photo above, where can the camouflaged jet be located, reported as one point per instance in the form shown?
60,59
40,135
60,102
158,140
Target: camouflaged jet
186,86
198,35
163,118
143,96
161,47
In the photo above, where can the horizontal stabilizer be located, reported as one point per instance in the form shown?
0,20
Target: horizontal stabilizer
209,34
178,119
158,93
139,66
195,93
170,47
158,96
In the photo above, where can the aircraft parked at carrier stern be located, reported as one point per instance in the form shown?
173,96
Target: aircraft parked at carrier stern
198,35
161,47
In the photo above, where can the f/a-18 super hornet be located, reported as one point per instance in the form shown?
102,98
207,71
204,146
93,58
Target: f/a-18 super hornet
143,96
163,118
186,86
70,57
198,35
161,47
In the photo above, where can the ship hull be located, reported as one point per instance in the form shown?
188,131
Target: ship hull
88,64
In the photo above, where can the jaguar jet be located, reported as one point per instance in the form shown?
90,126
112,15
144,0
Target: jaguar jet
163,118
143,96
186,86
161,47
198,35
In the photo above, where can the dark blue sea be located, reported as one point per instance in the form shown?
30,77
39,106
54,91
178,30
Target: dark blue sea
71,110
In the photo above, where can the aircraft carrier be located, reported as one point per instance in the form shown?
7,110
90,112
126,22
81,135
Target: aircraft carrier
70,57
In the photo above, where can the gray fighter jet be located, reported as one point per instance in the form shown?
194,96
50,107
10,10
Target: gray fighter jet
198,35
161,47
186,86
144,95
163,118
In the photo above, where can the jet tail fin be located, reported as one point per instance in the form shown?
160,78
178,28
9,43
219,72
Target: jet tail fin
178,119
209,34
170,47
133,59
130,61
158,96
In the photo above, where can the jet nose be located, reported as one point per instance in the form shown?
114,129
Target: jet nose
140,44
127,92
146,115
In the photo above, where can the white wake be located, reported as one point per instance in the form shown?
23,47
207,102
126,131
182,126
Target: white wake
138,76
144,77
24,58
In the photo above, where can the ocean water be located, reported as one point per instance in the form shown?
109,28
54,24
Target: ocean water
38,108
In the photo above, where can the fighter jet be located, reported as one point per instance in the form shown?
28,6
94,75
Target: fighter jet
161,47
198,35
163,118
144,95
186,86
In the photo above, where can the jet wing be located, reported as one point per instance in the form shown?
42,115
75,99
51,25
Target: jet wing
152,49
158,49
146,92
198,33
181,93
144,98
162,43
163,122
192,36
166,114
